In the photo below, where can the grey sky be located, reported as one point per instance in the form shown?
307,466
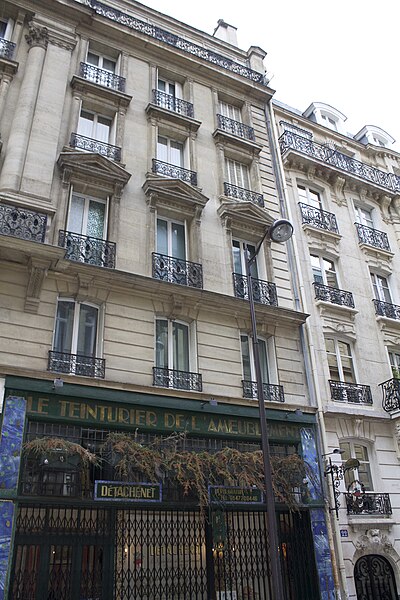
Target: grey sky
344,53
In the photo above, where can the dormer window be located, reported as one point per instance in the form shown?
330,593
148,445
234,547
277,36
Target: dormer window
370,134
326,115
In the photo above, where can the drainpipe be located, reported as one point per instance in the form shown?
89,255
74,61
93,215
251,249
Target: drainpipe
338,566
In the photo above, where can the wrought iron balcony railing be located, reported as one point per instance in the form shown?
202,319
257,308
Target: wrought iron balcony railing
6,49
333,295
372,237
264,292
84,143
102,77
368,503
354,393
233,191
89,250
176,270
22,223
347,164
146,28
179,380
169,102
385,309
236,128
174,171
318,218
271,392
76,364
391,395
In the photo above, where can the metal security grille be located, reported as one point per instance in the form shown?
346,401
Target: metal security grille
160,555
374,579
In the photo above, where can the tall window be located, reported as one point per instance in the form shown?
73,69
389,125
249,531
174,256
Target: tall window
364,216
87,216
394,359
172,345
94,126
324,271
309,196
230,111
239,249
171,238
340,360
248,362
170,151
76,328
363,472
172,88
237,173
102,62
381,288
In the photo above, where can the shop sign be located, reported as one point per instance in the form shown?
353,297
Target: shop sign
115,491
235,495
99,413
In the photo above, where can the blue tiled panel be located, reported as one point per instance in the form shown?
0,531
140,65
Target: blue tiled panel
12,432
309,452
322,554
6,520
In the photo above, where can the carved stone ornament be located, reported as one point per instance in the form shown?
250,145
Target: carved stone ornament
37,36
375,542
37,273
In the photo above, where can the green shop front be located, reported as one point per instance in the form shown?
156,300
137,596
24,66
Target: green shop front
86,526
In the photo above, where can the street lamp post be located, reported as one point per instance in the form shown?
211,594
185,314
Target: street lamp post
279,231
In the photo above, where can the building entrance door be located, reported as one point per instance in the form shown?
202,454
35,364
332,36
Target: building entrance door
374,578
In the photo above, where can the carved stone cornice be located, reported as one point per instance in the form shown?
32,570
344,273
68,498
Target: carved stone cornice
174,195
89,90
37,36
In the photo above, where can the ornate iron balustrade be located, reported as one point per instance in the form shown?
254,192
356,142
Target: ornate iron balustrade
330,156
318,218
84,143
391,395
372,237
350,392
89,250
233,191
235,128
271,392
296,130
102,77
22,223
177,270
179,380
333,295
175,41
368,503
385,309
264,292
6,49
76,364
174,171
169,102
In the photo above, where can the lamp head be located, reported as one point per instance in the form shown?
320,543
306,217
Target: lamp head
280,231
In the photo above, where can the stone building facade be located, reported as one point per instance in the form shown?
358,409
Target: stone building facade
135,169
343,196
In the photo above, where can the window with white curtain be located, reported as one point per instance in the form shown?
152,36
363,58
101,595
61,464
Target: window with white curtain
76,328
340,360
323,270
87,216
381,288
94,126
230,111
171,238
170,151
249,373
172,345
353,449
237,173
102,62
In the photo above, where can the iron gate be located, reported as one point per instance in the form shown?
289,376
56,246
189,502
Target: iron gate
67,553
374,578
